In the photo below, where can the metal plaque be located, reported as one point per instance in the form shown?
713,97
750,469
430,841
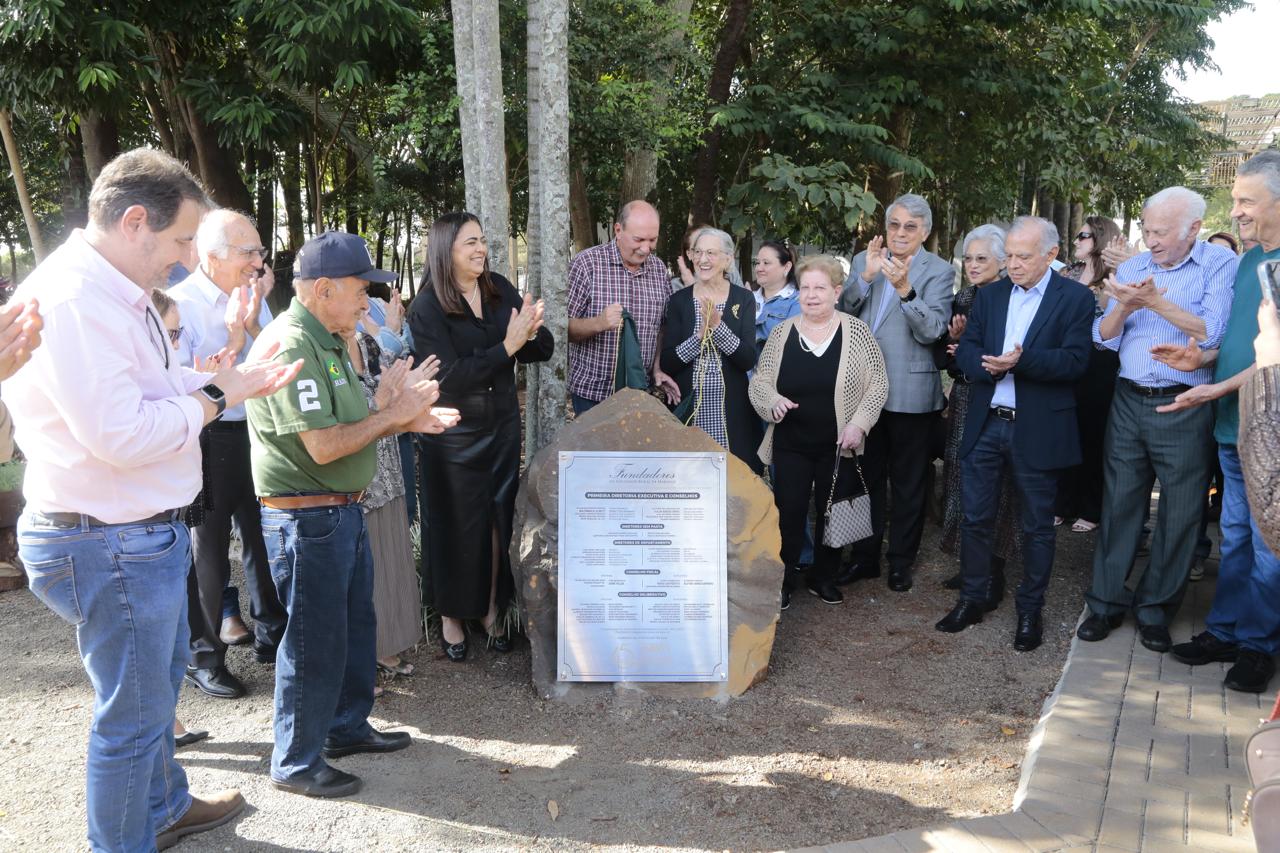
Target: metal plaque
643,567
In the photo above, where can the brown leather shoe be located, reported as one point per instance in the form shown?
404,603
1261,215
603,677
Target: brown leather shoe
234,632
204,814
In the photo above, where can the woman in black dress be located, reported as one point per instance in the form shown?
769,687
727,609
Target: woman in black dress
709,344
475,322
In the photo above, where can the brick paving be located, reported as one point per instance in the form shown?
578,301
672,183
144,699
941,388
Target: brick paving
1134,752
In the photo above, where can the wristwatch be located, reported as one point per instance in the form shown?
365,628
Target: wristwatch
911,294
214,395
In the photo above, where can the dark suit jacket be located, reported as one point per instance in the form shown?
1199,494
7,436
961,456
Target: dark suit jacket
1055,354
741,421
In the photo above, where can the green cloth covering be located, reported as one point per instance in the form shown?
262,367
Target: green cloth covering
325,393
630,371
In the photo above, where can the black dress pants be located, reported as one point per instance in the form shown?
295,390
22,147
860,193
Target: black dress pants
798,479
230,496
898,451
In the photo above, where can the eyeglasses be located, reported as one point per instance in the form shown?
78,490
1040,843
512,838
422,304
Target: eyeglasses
1084,235
976,259
254,251
908,227
706,253
175,334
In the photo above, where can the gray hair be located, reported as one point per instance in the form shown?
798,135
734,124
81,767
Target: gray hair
1265,164
914,205
1047,231
726,242
1190,202
634,206
211,236
144,177
994,237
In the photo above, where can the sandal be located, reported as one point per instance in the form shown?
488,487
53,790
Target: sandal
399,668
1057,520
1082,526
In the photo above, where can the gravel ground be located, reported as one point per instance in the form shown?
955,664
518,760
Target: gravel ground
869,722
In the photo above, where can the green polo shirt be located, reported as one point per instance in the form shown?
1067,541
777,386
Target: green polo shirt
1235,353
325,393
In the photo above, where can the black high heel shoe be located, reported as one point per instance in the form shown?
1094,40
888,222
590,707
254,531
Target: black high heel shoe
456,652
498,642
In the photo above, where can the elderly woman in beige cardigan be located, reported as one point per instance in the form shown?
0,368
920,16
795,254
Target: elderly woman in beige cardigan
819,385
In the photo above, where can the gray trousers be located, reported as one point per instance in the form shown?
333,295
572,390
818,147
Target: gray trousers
1143,445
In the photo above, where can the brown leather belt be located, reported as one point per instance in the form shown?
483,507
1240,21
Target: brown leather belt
310,501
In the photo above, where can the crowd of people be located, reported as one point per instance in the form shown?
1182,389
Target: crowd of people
167,413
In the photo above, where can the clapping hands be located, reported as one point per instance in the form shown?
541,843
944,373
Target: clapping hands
524,324
998,365
20,326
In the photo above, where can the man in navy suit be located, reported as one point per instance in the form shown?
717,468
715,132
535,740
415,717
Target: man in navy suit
1026,343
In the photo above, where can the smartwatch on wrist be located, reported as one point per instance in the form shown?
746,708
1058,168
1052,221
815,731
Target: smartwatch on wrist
911,294
214,395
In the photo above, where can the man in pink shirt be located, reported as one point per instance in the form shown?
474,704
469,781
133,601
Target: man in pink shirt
110,423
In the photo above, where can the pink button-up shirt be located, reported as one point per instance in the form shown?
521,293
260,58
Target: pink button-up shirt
101,410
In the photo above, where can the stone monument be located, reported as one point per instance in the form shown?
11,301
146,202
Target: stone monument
634,421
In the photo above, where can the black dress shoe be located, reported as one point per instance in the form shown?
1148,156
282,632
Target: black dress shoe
1030,631
189,738
854,572
786,599
376,742
899,580
827,591
994,592
456,652
964,614
325,782
215,681
264,654
1205,648
501,643
1155,637
1098,627
954,582
1252,672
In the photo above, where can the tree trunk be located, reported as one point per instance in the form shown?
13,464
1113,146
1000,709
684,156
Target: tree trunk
640,165
75,186
159,114
291,187
101,138
1062,219
20,184
581,220
478,63
533,225
313,188
706,167
886,184
553,202
349,192
265,202
1077,222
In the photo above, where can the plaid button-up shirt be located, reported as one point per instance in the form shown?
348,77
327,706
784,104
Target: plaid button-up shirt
597,279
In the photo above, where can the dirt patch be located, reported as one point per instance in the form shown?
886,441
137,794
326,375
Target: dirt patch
869,722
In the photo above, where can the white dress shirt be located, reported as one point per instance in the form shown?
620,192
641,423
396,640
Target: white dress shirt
203,307
101,411
1023,305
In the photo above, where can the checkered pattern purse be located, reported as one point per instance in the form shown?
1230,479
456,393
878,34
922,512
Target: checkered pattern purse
848,520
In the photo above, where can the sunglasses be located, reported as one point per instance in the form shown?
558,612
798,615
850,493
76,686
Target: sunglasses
1084,235
175,334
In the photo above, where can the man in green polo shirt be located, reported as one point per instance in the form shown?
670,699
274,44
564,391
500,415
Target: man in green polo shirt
1243,625
313,454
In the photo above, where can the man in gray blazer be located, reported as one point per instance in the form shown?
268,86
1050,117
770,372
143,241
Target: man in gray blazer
904,294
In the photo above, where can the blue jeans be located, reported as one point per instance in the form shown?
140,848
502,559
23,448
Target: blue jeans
582,405
1037,492
124,588
326,665
1246,603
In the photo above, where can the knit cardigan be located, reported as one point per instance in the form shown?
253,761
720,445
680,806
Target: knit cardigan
862,386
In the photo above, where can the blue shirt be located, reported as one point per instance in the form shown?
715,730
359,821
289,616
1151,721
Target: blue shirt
1023,305
1236,352
398,345
772,311
1199,285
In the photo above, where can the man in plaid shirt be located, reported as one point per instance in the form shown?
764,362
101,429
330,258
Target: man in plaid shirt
603,280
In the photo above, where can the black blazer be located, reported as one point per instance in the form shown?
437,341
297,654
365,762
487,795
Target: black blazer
1055,354
741,422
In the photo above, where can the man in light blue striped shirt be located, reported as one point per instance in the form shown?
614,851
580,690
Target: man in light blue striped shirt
1179,288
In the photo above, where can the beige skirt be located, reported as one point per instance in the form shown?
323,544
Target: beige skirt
397,597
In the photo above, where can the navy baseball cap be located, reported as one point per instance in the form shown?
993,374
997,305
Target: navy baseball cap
336,254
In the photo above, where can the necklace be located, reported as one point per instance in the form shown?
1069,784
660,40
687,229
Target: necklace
473,303
826,332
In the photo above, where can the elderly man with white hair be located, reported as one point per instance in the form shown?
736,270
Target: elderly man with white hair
223,305
1179,288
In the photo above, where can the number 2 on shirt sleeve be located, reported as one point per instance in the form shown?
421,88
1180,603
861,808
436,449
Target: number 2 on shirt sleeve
308,395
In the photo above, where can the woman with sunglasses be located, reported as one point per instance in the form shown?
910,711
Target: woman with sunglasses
1080,494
